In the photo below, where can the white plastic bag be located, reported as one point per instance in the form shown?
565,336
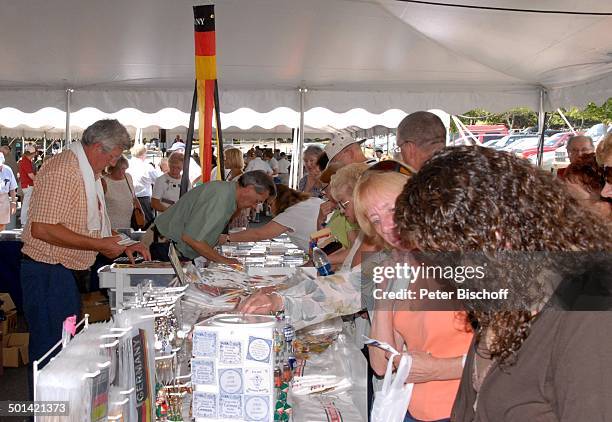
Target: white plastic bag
391,403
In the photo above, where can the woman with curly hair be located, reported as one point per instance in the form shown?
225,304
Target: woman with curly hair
529,360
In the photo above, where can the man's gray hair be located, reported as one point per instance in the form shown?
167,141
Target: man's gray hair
575,138
109,133
422,128
259,180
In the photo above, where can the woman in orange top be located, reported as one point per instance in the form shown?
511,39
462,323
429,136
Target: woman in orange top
437,341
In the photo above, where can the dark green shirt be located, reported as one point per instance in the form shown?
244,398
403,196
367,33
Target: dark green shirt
202,214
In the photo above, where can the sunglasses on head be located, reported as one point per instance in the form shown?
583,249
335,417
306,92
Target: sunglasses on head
392,165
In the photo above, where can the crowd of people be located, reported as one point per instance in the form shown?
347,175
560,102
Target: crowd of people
469,362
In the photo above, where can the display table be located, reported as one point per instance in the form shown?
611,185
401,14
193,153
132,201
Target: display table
180,353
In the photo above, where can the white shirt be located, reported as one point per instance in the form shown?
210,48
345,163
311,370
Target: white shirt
167,189
273,163
301,220
283,166
144,176
258,164
7,179
213,173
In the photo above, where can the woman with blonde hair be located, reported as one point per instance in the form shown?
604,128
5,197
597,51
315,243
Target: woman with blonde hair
233,163
310,183
167,187
436,340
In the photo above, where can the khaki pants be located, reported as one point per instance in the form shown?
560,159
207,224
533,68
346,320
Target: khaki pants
25,204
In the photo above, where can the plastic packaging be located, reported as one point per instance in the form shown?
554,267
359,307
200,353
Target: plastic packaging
319,258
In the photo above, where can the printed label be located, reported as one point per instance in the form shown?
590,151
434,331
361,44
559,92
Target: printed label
141,372
204,405
332,412
259,349
230,406
230,381
230,353
205,344
203,372
256,408
257,381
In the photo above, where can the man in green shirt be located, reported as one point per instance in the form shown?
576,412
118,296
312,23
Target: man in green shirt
195,222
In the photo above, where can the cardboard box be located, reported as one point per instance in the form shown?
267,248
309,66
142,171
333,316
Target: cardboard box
96,305
9,325
15,349
8,304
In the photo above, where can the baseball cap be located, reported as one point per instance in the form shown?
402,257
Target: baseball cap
337,144
29,148
177,146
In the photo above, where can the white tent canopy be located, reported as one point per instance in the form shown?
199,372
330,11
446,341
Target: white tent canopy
377,55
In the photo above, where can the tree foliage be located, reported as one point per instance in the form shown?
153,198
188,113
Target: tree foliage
523,117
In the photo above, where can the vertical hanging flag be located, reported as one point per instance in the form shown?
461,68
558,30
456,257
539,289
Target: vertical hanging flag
206,74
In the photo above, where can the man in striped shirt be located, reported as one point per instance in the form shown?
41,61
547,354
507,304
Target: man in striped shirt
59,243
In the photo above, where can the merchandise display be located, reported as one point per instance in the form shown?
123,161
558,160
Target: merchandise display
178,352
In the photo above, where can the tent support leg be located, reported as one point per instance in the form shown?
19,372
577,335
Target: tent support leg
541,128
185,182
69,92
300,151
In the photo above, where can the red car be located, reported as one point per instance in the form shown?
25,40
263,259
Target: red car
550,144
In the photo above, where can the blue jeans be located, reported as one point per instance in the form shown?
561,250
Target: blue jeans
50,294
409,418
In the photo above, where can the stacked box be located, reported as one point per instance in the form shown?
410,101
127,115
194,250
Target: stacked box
233,368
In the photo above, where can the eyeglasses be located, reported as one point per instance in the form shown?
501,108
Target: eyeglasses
344,205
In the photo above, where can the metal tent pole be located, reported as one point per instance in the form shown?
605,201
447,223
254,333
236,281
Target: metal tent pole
300,169
569,125
541,123
69,92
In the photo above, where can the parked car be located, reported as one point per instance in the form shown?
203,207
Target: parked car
482,139
550,145
523,143
510,139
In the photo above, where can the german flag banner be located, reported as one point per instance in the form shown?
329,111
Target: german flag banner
206,75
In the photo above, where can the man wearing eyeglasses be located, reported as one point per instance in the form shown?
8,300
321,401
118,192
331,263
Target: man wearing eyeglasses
419,136
577,146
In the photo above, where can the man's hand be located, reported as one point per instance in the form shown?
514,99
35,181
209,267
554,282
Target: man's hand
231,261
223,238
109,247
140,248
260,303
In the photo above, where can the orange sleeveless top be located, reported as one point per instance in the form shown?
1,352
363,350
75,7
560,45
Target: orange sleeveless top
444,334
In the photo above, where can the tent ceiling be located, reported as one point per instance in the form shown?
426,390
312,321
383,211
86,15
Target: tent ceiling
378,55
